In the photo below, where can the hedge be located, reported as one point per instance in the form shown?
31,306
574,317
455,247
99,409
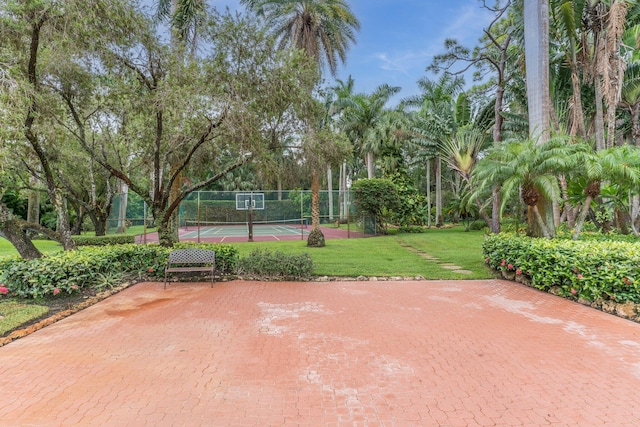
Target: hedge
276,265
70,271
591,270
112,239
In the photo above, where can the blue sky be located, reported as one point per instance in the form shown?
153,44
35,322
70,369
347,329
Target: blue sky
398,38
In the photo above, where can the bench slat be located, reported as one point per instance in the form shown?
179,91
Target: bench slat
190,260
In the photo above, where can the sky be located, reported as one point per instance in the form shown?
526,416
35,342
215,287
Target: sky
398,39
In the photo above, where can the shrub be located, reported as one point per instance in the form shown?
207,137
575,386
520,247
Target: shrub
478,225
276,265
590,270
114,239
411,229
376,197
70,271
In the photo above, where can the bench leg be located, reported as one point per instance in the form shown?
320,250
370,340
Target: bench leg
165,280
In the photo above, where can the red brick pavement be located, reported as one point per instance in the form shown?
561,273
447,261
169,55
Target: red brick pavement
465,353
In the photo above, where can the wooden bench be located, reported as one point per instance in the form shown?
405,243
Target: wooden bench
191,260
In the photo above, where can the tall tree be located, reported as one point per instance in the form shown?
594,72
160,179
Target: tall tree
200,119
536,40
436,121
362,115
35,32
324,29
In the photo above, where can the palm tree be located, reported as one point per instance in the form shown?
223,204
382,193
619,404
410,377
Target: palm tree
630,99
436,120
324,29
362,115
184,17
616,164
531,168
536,39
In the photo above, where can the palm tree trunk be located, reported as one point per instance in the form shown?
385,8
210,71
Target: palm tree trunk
599,118
316,238
635,124
541,223
438,191
582,218
495,209
577,126
429,193
370,165
635,209
330,194
536,36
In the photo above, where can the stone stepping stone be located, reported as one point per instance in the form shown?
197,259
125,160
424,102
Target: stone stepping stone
462,271
450,266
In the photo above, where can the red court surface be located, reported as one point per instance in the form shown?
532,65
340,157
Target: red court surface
414,353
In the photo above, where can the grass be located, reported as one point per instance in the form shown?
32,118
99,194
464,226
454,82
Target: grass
49,246
379,256
14,314
45,246
391,255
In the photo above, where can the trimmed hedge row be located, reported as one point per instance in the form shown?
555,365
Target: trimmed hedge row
591,270
70,271
276,265
112,239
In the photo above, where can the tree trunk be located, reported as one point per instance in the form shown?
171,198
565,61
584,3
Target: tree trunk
11,229
122,211
577,126
429,193
534,212
370,165
64,226
76,228
599,118
99,223
582,218
635,124
536,36
174,193
438,172
166,236
33,209
330,194
340,197
316,238
495,209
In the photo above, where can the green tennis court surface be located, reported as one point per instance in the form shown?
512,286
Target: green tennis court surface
242,230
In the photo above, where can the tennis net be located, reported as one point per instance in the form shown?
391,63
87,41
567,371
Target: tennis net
284,223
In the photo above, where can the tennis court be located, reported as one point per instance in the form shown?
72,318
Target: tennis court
262,232
273,230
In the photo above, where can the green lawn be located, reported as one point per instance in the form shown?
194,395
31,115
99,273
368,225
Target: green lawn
14,314
376,256
45,246
389,256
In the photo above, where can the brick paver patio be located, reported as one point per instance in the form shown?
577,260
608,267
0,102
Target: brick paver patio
421,353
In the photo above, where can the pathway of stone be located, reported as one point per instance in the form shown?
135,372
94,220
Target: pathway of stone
428,257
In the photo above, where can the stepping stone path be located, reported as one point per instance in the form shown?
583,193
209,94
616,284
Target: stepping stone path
446,265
